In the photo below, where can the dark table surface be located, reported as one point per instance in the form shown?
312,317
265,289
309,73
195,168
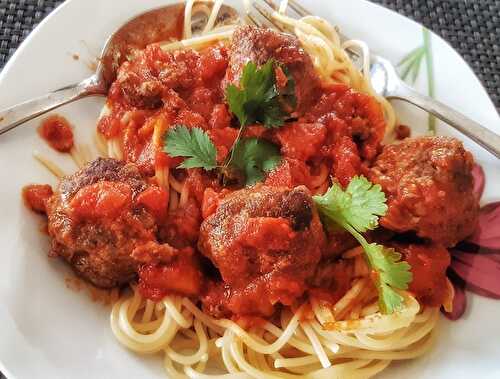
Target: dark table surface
471,26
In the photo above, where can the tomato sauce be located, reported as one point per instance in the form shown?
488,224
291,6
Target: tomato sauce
36,196
181,276
331,282
339,132
155,199
343,129
57,132
101,200
182,226
428,266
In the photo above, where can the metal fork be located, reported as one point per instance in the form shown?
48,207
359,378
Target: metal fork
386,82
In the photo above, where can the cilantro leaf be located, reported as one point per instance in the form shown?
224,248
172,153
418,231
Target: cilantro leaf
193,144
357,210
392,273
359,205
236,100
254,157
257,99
389,300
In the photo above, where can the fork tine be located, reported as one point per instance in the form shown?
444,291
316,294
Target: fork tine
299,9
252,20
271,4
264,13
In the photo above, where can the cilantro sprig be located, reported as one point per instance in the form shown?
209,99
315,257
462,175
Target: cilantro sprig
253,157
357,209
257,99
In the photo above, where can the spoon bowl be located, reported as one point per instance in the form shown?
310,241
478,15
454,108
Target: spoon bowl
157,25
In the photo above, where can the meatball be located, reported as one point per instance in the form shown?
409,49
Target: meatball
259,45
95,223
266,243
139,87
429,188
143,81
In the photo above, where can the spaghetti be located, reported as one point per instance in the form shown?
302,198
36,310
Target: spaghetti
350,339
310,343
316,339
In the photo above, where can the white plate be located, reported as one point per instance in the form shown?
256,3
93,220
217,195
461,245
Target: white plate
49,331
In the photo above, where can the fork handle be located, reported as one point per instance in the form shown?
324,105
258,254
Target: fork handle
478,133
11,118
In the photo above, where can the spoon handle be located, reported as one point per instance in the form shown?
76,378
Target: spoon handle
19,114
478,133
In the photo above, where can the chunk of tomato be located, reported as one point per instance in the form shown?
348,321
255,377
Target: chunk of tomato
155,200
101,200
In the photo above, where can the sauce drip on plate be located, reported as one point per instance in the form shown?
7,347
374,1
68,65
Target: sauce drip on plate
57,132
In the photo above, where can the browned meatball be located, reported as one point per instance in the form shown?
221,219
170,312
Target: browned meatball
98,238
139,87
429,188
259,45
266,242
143,81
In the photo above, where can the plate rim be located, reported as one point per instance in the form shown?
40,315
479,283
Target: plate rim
60,8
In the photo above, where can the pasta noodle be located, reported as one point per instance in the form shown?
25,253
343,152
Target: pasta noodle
348,339
347,348
49,165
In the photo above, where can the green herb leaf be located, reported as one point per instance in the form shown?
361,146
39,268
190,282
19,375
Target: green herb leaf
392,273
359,205
254,157
193,144
257,99
411,56
357,209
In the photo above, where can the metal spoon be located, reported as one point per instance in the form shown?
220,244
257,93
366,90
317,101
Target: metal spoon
157,25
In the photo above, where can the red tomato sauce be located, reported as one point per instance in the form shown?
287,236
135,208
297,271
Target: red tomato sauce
57,132
342,131
155,199
101,200
181,276
428,266
36,196
340,134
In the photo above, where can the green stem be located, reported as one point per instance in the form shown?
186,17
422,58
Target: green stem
359,237
430,75
236,141
364,243
414,64
410,56
417,65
